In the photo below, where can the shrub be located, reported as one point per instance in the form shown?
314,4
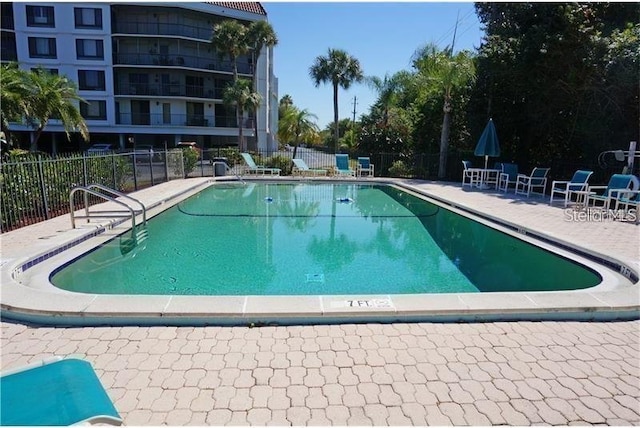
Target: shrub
399,169
278,161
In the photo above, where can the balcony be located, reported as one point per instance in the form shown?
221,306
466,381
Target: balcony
174,120
124,26
190,61
169,90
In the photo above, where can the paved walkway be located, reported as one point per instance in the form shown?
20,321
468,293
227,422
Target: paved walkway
516,373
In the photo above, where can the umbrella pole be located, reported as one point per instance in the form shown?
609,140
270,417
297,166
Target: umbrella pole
486,160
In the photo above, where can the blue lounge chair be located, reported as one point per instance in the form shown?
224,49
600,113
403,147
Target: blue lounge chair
618,186
364,166
55,392
342,166
579,182
252,168
301,168
508,176
527,183
629,200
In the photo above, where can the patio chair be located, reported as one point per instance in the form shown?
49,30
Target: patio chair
342,165
526,183
629,200
252,168
470,176
364,166
508,176
300,168
579,182
55,392
618,187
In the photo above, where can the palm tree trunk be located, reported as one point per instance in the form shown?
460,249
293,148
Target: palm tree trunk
240,126
255,89
444,140
336,133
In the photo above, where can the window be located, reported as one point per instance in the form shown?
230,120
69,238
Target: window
89,49
8,51
42,47
91,80
40,16
94,109
88,17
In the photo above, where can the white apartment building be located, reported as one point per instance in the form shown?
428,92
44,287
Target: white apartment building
147,70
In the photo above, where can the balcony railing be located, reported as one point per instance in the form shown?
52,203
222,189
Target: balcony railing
169,90
160,29
191,61
160,119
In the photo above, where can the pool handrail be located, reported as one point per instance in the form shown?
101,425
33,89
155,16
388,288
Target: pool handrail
106,214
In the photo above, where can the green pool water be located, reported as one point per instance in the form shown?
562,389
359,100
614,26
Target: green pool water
316,238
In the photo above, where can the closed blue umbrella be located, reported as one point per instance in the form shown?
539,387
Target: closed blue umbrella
488,144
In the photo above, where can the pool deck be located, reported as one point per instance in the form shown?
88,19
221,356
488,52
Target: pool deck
516,373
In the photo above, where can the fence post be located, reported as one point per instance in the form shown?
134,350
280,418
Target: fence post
135,174
85,179
43,188
115,173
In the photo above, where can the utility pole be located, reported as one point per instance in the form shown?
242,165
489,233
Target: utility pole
353,123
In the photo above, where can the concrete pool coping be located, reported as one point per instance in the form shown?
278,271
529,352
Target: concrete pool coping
30,255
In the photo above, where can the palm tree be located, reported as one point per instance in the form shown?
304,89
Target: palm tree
13,93
53,97
259,35
229,38
445,73
341,69
295,124
241,95
387,89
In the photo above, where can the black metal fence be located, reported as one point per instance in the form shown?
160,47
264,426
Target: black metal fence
36,188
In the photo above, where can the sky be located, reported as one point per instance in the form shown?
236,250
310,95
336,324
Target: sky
382,36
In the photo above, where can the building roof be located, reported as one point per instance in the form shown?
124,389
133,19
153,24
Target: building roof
245,6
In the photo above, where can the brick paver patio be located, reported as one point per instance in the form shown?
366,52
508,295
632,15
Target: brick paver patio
515,373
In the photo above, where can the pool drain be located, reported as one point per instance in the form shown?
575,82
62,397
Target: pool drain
315,277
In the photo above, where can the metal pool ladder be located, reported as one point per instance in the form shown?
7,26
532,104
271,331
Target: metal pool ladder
108,194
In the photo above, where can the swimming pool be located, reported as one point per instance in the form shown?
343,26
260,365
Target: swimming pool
28,295
317,238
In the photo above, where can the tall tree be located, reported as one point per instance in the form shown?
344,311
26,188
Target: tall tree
229,39
285,101
445,73
561,79
296,124
240,95
51,96
13,94
259,35
341,70
387,89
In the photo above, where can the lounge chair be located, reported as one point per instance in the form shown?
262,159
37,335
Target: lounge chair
55,392
508,176
252,168
629,200
526,183
579,182
300,168
470,176
618,187
364,166
342,166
